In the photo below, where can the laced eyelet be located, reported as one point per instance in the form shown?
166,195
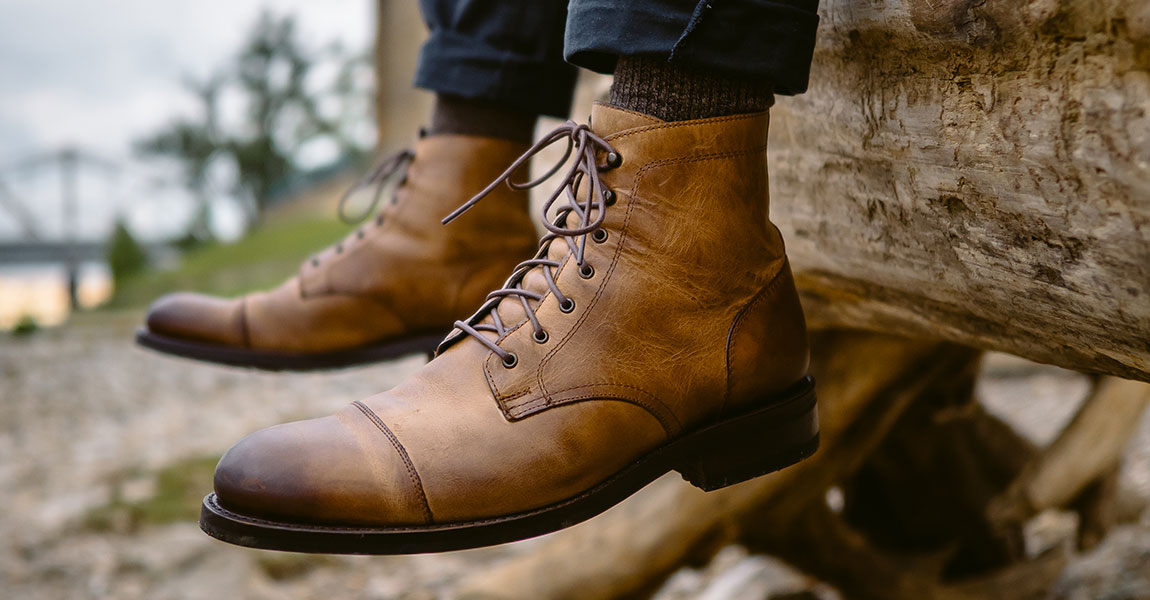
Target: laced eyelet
567,305
599,236
540,336
510,360
609,197
586,271
614,159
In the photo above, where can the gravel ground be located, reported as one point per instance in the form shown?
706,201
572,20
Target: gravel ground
91,422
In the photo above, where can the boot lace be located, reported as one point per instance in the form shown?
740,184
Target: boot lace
377,177
584,146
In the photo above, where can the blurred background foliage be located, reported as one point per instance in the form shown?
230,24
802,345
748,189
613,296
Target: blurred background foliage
262,121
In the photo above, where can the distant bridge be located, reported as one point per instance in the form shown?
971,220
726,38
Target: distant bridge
50,252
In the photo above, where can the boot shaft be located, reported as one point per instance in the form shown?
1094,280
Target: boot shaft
424,272
690,274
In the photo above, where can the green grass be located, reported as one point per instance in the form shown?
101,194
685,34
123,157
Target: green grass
179,489
261,260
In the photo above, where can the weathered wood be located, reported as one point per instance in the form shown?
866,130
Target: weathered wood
1088,449
912,521
976,171
925,489
1098,509
399,108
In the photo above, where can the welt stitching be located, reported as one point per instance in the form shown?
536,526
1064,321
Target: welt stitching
370,414
668,427
654,398
650,407
623,385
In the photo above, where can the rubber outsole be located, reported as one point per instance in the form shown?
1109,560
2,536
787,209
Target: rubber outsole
281,361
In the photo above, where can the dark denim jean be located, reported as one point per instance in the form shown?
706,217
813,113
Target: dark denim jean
516,52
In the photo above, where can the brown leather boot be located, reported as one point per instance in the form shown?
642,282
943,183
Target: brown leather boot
392,287
657,329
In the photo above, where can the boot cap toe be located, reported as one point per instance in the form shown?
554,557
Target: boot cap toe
197,317
337,469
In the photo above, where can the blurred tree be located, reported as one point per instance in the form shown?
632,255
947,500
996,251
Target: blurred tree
258,116
125,256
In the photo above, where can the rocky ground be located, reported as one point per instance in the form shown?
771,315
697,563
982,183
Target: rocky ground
105,450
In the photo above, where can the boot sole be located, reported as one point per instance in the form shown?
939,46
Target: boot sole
282,361
724,453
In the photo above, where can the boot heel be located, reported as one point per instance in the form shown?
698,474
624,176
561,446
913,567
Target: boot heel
755,443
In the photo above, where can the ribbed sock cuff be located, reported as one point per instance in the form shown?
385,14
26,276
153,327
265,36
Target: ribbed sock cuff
461,116
675,93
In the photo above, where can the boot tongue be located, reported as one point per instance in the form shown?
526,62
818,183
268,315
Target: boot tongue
511,308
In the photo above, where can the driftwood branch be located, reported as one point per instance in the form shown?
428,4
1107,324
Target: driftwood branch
1085,453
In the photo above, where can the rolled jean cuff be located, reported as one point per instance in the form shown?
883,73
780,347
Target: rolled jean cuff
454,64
769,39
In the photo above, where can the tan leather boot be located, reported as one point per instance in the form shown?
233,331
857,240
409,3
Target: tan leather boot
658,329
392,287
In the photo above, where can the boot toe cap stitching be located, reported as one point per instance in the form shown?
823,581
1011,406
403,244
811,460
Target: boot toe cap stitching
412,473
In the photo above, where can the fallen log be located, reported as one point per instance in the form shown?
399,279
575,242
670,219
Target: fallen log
978,172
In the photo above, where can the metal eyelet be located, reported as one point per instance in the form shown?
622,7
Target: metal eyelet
510,360
609,197
379,221
567,305
614,159
540,336
586,271
599,236
359,233
314,262
339,248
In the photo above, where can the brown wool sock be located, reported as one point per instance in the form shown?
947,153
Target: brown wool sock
461,116
675,93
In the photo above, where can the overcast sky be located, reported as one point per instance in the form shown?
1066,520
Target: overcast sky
99,74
